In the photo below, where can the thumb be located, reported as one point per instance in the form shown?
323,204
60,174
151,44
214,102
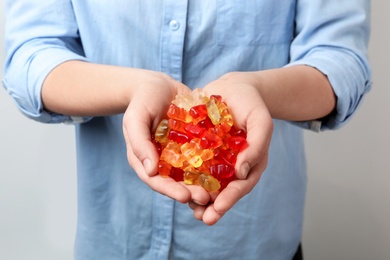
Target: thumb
259,133
141,152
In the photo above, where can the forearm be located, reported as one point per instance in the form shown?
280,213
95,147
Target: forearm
295,93
84,89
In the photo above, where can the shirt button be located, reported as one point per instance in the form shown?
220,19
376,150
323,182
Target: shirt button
174,25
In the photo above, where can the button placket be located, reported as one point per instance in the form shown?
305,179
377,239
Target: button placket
172,37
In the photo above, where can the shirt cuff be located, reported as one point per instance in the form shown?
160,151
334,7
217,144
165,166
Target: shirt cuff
349,80
29,100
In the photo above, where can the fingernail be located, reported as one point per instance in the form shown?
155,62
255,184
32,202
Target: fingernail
245,168
147,165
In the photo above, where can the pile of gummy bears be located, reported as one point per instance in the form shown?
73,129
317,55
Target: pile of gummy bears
198,143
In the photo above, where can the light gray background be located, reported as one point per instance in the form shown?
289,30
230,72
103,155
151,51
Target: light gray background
348,201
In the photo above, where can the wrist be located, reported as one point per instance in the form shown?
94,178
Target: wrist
141,82
296,93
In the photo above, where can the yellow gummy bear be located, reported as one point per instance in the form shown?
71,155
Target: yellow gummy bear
209,183
213,112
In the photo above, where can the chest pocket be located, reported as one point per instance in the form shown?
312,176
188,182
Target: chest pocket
255,22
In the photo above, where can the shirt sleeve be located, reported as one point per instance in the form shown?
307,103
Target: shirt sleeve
39,35
332,36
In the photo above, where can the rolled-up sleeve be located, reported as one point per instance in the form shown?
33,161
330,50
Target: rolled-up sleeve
39,36
333,37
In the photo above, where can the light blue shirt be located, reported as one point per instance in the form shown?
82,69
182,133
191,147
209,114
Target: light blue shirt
196,41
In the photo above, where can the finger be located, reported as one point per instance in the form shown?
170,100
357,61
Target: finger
168,187
211,216
213,195
192,205
198,210
198,194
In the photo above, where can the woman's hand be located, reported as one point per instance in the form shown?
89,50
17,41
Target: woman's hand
251,114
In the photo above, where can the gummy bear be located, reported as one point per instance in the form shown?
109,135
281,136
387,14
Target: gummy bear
178,113
236,143
198,113
161,134
171,154
198,143
213,112
191,177
179,137
164,168
194,130
177,125
192,152
209,183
